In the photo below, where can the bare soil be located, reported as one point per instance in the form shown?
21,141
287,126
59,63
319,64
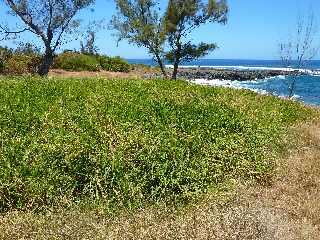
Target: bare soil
287,208
134,74
87,74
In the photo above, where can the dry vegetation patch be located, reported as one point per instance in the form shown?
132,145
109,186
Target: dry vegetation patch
138,72
88,74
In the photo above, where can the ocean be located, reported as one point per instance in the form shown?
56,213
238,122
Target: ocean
307,87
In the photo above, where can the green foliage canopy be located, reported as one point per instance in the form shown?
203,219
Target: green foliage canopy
181,18
141,23
49,20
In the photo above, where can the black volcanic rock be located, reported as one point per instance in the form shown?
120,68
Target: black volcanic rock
223,74
240,75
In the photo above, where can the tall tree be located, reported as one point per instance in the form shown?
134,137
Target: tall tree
50,20
140,23
299,48
89,47
184,16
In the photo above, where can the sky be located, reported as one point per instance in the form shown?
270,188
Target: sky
253,30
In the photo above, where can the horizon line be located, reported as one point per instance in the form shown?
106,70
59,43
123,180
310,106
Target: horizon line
247,59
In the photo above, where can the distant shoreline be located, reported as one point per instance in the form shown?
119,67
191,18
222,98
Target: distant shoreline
244,64
229,74
191,73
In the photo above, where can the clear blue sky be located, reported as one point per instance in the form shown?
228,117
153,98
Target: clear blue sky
252,32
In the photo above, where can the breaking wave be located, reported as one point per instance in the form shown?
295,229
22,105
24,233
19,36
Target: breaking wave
307,87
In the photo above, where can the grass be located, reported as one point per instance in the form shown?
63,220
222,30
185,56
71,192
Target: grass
125,144
287,209
73,61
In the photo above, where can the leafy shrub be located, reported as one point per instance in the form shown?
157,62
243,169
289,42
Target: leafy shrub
131,143
5,53
21,64
114,64
72,61
137,66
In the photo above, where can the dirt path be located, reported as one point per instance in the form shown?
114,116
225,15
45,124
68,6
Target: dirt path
287,209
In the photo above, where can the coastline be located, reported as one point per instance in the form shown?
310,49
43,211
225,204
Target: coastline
232,74
229,74
272,81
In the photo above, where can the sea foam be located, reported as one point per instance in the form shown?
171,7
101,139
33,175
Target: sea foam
249,85
313,72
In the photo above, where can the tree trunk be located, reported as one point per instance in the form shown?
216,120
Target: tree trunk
292,86
177,59
47,61
175,70
163,70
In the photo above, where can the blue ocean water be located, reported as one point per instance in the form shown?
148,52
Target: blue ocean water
307,88
312,64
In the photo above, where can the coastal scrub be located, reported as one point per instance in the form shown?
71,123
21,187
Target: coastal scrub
130,143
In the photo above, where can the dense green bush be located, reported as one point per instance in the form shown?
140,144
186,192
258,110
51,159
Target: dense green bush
5,53
72,61
128,143
114,64
18,64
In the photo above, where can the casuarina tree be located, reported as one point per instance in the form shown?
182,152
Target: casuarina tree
139,22
184,16
167,35
49,20
89,47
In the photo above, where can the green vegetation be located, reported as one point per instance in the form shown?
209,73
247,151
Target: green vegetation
114,64
25,59
166,34
51,22
18,64
72,61
125,144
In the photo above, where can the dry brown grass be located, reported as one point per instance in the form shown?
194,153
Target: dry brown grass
287,209
137,73
87,74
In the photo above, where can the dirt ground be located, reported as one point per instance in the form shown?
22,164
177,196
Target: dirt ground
134,74
288,208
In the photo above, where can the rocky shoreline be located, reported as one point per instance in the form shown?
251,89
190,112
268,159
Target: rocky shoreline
224,74
233,75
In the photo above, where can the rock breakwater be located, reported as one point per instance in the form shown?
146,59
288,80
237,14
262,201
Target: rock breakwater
233,75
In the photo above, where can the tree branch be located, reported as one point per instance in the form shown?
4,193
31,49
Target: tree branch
63,29
28,22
